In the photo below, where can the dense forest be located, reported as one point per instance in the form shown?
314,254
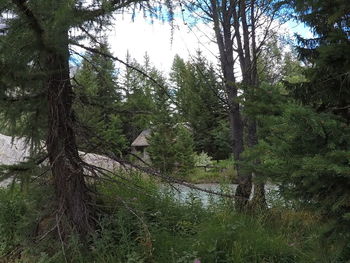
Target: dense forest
241,158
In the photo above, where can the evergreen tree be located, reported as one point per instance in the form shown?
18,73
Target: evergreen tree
327,89
328,55
138,99
98,104
292,70
305,146
183,147
201,103
163,135
35,67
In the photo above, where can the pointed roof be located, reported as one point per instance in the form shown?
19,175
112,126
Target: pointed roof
141,140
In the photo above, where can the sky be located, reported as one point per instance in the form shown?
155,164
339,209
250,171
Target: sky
162,44
158,40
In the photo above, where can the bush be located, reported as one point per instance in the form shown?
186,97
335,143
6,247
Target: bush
202,159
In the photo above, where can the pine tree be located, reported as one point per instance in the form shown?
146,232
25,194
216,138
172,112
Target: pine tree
306,142
98,105
201,103
183,147
163,135
328,54
35,52
325,173
139,103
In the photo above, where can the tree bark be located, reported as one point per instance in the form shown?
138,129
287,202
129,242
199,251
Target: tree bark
244,179
68,177
259,200
223,34
247,53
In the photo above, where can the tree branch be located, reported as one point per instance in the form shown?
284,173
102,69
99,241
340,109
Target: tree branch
33,21
106,8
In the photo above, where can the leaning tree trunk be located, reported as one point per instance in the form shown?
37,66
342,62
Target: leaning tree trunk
71,191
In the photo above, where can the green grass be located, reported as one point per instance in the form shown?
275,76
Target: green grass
149,226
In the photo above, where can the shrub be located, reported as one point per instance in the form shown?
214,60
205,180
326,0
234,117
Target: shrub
202,159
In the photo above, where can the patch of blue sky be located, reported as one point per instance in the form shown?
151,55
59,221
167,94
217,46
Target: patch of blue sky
300,29
75,60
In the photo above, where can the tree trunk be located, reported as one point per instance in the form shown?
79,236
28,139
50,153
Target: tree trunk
258,201
247,53
223,34
244,187
68,178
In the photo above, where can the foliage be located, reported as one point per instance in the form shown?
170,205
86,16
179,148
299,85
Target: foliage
98,104
203,159
304,135
292,71
146,225
138,102
37,41
171,149
13,208
200,102
212,175
327,85
20,210
161,151
163,133
23,105
220,136
183,148
304,139
327,91
307,153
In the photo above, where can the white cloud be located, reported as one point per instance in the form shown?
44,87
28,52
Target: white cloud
161,43
158,40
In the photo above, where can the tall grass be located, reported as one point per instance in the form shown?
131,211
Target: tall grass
139,223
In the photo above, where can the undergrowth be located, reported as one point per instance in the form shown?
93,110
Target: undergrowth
138,223
219,172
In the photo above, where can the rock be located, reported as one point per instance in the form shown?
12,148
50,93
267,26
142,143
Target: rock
14,150
100,161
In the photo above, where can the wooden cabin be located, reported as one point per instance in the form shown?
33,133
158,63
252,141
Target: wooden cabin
140,144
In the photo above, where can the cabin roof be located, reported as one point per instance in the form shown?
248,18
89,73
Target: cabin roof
142,139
